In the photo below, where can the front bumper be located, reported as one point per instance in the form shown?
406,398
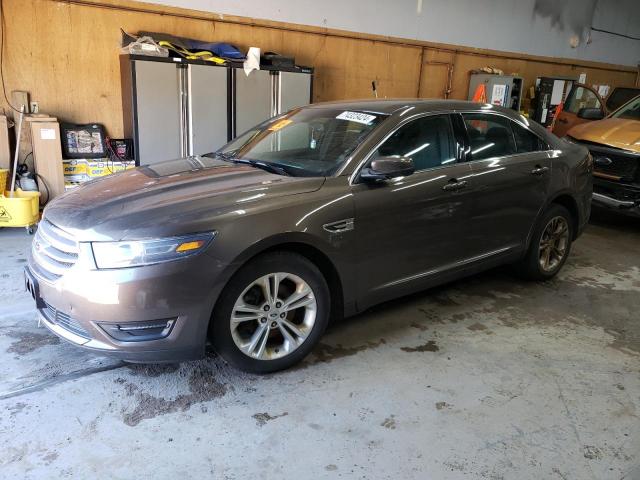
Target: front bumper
82,304
623,198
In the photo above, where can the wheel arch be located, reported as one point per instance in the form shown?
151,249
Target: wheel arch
567,201
306,246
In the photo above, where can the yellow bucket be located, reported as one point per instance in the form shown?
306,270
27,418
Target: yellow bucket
21,210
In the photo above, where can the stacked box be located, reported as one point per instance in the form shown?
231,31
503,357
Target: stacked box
77,171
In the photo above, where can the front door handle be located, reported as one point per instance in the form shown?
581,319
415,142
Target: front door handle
563,120
455,184
539,170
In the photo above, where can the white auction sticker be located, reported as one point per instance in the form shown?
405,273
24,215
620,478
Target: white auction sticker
357,117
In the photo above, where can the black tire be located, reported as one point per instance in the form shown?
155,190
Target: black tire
220,326
530,266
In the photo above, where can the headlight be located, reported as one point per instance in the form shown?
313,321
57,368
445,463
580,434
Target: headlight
147,252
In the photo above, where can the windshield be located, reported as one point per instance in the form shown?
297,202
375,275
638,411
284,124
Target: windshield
631,111
305,143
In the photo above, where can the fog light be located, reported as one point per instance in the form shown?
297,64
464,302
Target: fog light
139,331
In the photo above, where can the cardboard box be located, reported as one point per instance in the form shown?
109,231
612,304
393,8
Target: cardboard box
82,170
74,167
103,168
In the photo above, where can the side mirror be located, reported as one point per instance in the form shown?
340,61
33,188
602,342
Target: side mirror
386,168
591,113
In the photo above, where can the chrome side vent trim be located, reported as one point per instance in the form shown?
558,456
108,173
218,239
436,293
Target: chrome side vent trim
340,226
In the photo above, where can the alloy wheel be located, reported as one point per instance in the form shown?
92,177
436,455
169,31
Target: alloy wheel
273,316
553,244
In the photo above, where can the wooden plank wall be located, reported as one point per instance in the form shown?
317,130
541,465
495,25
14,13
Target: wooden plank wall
65,53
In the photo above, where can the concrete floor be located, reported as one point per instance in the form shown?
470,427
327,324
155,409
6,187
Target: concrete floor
488,377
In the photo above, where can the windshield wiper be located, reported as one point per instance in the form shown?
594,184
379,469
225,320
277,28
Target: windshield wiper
223,155
269,167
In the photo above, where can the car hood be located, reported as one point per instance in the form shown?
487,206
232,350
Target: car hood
169,198
615,132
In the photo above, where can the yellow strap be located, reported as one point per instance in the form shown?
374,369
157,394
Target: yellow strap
202,55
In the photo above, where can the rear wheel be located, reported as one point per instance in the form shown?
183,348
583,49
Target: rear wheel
550,245
271,313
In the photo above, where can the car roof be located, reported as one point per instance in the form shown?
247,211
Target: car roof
390,106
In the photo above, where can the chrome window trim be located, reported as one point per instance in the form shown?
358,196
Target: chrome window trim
363,162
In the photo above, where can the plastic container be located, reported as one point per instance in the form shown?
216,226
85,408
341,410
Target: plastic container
21,210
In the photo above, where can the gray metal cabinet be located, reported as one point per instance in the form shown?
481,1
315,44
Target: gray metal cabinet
254,99
266,93
174,107
503,90
158,109
294,90
208,119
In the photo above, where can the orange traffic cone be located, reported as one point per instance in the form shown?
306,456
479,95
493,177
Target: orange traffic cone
480,94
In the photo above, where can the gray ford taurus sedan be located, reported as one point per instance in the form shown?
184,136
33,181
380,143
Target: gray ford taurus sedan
314,215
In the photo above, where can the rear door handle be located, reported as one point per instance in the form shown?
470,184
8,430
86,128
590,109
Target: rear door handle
455,184
539,170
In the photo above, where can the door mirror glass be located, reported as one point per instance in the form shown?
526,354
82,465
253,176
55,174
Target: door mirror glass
386,168
591,113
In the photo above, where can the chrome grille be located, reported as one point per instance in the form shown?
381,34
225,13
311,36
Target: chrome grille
53,250
65,321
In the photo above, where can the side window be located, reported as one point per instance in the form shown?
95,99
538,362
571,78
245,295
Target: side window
490,135
428,141
580,97
526,141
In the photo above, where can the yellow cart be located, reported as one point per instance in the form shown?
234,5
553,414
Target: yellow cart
22,209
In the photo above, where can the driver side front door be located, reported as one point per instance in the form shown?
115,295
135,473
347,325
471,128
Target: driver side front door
579,97
414,228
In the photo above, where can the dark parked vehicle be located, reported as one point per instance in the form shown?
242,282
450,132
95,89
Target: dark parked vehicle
317,214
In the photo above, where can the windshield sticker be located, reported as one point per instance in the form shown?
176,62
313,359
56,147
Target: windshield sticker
357,117
280,124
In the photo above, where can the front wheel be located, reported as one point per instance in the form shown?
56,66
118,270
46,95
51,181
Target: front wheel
271,313
550,245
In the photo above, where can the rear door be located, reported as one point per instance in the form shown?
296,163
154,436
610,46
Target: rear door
509,183
579,97
411,228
